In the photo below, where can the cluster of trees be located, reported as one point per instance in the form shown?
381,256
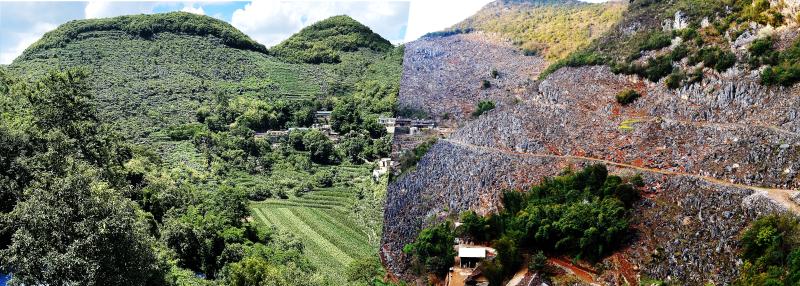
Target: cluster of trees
146,26
785,65
83,207
584,214
771,252
256,114
322,42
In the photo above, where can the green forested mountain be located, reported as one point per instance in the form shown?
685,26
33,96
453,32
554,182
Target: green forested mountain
140,140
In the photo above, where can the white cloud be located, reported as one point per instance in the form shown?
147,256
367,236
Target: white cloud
23,40
270,22
23,23
192,9
427,16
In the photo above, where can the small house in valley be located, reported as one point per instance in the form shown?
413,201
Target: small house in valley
469,257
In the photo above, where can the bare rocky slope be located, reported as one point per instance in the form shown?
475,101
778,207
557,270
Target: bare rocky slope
714,155
443,75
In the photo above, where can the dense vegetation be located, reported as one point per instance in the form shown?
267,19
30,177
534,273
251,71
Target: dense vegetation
99,211
546,28
650,53
193,111
584,214
771,252
146,26
323,41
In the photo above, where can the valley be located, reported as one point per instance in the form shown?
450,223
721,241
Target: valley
535,142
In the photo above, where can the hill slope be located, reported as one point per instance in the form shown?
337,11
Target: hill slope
147,81
551,28
195,101
322,42
715,151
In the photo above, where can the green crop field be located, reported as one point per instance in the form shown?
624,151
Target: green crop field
323,220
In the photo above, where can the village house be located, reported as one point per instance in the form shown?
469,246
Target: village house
388,122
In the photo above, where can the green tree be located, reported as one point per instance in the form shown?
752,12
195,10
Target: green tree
434,248
76,230
345,116
320,146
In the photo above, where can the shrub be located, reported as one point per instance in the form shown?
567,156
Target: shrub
538,262
485,84
655,41
725,61
433,248
482,107
627,96
771,251
281,194
674,80
530,52
658,68
787,71
760,47
324,178
259,194
695,76
494,73
409,159
679,53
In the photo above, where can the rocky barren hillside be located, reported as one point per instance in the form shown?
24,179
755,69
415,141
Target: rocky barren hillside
715,153
443,75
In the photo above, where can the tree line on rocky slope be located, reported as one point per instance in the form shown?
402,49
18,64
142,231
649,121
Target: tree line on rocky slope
583,214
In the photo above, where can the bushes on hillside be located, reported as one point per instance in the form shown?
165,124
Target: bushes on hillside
577,59
408,160
482,107
787,71
771,251
627,96
655,41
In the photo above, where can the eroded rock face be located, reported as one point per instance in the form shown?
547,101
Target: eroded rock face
703,150
443,75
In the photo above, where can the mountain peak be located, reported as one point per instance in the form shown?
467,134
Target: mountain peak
146,26
322,41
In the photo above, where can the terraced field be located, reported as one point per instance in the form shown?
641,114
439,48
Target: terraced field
322,220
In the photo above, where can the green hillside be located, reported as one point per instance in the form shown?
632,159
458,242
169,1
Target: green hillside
324,41
552,28
147,82
184,100
705,41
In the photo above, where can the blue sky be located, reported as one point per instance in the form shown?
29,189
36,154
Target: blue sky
266,21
